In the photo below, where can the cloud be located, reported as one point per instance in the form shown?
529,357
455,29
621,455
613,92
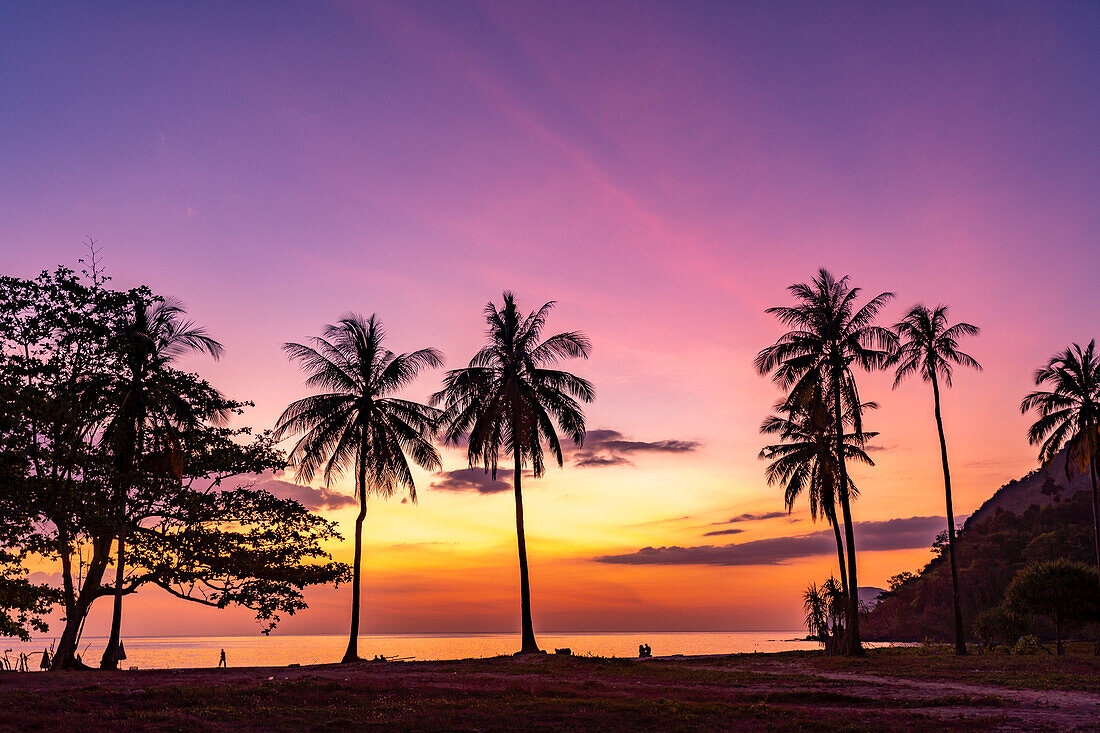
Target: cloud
606,447
313,499
722,531
590,461
892,534
470,479
750,517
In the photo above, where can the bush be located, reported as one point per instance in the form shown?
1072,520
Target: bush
999,625
1028,644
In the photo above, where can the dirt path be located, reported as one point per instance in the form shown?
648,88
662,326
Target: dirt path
1028,709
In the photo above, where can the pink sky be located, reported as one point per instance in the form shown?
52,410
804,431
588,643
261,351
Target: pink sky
663,170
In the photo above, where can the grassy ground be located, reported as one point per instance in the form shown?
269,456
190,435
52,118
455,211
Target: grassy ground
895,689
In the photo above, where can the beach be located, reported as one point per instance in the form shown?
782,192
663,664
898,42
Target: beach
911,689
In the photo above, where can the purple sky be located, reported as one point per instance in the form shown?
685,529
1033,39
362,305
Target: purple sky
664,170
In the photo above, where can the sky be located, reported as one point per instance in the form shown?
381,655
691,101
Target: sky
661,170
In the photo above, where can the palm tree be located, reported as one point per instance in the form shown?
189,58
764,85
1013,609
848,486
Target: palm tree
814,361
357,421
147,343
806,460
930,348
816,607
1069,416
508,400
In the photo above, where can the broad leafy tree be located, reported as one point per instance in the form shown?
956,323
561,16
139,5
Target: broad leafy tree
1065,592
358,422
830,335
929,347
510,401
192,529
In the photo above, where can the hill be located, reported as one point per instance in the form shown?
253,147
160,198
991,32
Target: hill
1042,516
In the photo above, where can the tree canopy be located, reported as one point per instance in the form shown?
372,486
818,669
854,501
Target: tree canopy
197,528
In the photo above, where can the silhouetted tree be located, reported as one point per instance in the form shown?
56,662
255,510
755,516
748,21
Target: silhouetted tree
816,607
1069,416
509,400
930,347
806,461
358,421
145,398
813,361
1064,591
61,375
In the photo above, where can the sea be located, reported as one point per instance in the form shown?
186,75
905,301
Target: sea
276,651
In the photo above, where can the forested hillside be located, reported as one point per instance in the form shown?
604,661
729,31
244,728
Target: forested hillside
1039,517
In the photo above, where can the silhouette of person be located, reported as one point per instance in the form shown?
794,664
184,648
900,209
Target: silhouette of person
221,662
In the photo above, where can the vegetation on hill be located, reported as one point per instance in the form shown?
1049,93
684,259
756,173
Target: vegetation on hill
991,552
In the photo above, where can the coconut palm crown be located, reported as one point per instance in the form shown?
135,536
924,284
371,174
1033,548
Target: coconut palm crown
806,462
829,334
929,347
357,422
1069,416
510,400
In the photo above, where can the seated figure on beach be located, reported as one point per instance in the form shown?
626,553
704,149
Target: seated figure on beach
644,650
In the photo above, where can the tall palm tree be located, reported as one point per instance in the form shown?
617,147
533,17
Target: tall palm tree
814,360
929,347
806,461
1069,416
147,343
357,421
509,399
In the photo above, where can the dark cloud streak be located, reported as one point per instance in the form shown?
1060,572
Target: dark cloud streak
892,534
606,447
470,479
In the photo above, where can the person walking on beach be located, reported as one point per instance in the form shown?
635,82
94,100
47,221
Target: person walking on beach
221,661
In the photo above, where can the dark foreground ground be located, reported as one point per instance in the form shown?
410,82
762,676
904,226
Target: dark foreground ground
891,689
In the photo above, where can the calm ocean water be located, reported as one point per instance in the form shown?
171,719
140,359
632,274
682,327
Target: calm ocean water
252,651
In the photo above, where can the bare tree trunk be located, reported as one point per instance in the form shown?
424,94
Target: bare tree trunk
528,644
65,653
352,653
960,640
855,647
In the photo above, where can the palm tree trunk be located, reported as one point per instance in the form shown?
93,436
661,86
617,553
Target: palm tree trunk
960,641
840,555
855,647
352,653
528,644
1095,511
111,653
